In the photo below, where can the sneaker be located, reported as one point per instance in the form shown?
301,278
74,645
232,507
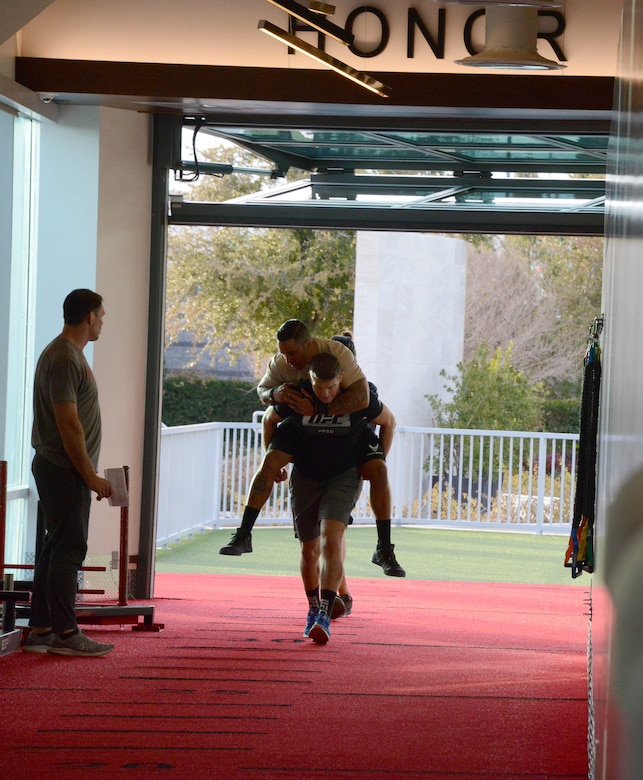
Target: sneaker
38,643
240,543
320,630
79,645
348,603
339,609
385,557
311,617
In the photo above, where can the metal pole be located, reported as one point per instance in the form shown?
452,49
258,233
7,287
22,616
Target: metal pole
123,558
167,140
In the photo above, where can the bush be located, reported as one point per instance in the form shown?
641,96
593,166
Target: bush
488,392
191,400
561,415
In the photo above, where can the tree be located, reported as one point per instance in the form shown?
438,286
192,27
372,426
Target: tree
489,393
539,293
233,287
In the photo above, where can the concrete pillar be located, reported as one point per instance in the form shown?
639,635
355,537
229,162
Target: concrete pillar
409,317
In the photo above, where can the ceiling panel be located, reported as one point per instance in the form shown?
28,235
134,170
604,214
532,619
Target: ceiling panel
491,132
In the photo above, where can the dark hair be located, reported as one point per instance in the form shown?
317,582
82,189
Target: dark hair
295,330
346,340
78,304
325,366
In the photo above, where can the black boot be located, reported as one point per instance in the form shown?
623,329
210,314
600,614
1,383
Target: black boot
241,542
385,557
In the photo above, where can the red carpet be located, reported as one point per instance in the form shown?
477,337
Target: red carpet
423,680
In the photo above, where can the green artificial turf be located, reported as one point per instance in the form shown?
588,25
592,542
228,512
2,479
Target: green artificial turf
425,553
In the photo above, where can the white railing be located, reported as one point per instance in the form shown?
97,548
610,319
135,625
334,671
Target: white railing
440,477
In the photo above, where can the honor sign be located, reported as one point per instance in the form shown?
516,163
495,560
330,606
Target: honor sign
371,29
430,36
388,36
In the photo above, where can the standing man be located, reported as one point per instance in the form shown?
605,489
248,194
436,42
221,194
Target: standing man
66,436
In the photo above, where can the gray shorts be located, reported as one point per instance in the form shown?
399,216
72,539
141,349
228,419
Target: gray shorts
313,501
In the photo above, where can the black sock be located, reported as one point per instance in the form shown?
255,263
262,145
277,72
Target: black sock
327,600
43,633
383,533
248,520
68,634
313,597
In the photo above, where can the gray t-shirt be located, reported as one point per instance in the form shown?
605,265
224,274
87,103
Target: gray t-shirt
63,374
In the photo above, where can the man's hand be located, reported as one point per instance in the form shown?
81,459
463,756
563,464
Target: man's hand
282,476
102,487
303,403
299,402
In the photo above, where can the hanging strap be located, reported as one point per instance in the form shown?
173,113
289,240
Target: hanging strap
580,550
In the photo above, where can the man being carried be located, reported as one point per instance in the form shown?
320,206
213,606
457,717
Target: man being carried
288,367
324,484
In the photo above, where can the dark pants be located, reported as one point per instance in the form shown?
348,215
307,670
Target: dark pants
63,510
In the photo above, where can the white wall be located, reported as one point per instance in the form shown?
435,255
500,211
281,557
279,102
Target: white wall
222,32
94,231
6,213
409,316
122,278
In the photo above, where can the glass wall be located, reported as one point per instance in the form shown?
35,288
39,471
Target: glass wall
18,252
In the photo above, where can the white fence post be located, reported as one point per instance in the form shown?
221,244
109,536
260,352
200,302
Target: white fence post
542,471
217,436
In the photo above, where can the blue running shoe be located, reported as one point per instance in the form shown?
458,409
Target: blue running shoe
310,619
320,630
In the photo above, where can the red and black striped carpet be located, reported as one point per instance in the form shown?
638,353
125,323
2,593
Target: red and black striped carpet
424,680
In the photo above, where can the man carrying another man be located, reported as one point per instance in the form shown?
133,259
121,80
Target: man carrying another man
324,482
288,367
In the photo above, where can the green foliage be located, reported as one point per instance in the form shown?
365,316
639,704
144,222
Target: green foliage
540,293
192,400
233,287
489,393
561,406
561,415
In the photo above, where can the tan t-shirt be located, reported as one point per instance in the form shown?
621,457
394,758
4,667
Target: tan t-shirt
279,372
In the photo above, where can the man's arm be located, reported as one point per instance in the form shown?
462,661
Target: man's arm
387,423
73,438
275,377
353,399
264,393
